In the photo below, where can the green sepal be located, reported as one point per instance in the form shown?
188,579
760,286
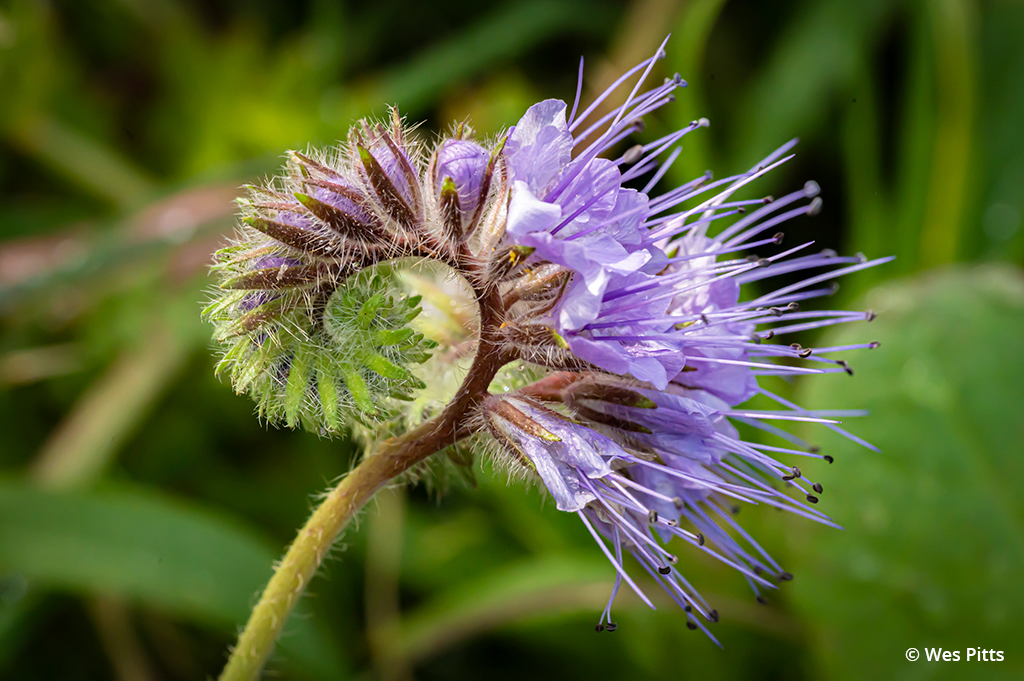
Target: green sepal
388,337
358,389
327,389
381,365
368,311
298,380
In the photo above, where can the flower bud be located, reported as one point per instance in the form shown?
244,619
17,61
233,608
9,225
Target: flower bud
464,164
393,160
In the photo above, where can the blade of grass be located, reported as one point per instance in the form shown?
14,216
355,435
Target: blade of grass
86,162
507,32
953,31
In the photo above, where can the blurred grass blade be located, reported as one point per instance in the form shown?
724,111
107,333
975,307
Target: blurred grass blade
686,56
507,32
84,161
81,447
953,30
541,586
816,57
914,153
868,197
153,551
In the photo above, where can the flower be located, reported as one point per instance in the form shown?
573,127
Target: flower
617,315
635,305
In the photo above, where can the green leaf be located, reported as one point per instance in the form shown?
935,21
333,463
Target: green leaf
933,549
155,551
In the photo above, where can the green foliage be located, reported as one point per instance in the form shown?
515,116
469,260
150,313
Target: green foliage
933,547
157,553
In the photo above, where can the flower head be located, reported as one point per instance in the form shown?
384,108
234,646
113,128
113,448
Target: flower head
635,302
626,307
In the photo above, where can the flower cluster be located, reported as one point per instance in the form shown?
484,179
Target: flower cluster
626,303
635,304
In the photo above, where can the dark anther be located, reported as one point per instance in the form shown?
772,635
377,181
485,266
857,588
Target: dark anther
687,608
678,502
672,523
768,199
796,346
735,510
874,344
764,262
611,626
785,576
758,570
775,311
861,258
768,335
677,79
787,478
639,125
704,318
846,367
713,615
762,600
691,625
804,354
793,307
777,239
599,628
811,498
673,559
870,315
741,210
755,339
796,471
817,487
752,259
652,516
814,449
700,539
664,570
828,458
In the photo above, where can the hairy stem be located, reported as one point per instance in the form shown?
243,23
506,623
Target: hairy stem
393,457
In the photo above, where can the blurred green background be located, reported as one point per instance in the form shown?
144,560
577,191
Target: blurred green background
142,503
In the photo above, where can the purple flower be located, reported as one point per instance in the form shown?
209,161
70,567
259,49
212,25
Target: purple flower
637,300
630,304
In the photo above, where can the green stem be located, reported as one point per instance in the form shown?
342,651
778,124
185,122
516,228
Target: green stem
393,457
